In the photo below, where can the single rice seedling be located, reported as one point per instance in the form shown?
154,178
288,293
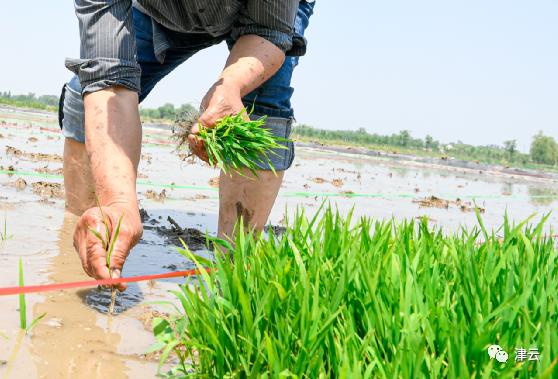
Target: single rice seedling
108,242
23,305
4,235
233,143
334,297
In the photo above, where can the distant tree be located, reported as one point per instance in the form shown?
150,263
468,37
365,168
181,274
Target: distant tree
510,147
185,108
544,149
431,143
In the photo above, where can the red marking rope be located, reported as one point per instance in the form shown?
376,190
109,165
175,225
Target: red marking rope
94,283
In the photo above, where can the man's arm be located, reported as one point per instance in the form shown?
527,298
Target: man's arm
263,35
110,77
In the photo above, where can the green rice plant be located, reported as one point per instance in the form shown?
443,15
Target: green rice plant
108,242
4,235
23,305
234,143
335,297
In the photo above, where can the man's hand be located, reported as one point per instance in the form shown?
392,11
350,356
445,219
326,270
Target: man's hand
113,144
90,249
252,61
221,100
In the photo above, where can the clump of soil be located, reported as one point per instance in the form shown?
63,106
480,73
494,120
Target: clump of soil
214,182
193,238
47,189
32,139
146,157
152,195
432,202
319,180
144,216
49,171
337,182
20,184
198,196
276,229
436,202
466,206
10,150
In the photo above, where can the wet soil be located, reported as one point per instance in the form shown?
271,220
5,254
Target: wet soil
47,189
33,156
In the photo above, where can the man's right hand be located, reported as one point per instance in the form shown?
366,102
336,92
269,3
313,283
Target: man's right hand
113,144
90,249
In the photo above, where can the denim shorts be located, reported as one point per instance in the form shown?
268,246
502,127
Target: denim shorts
272,99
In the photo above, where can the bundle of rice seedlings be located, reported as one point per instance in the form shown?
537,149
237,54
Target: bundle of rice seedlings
233,143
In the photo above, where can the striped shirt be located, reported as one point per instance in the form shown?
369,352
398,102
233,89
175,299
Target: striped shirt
108,51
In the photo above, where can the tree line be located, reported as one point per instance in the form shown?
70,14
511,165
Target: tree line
44,102
543,150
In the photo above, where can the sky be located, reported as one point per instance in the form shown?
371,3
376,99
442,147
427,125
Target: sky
472,70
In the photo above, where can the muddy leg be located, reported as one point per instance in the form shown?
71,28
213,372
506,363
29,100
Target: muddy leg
249,197
78,180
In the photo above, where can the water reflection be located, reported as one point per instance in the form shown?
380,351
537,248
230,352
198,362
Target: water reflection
542,196
69,342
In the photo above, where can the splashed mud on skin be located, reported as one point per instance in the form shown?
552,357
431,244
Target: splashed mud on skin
244,213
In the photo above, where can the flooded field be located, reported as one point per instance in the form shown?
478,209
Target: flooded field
77,339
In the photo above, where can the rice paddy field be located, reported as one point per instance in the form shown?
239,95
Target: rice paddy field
375,268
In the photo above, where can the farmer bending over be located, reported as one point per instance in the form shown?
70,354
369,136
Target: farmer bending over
125,50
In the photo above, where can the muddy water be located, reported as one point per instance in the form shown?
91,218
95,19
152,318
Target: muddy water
77,339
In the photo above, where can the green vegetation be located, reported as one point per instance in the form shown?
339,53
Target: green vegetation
44,102
544,156
233,143
166,113
23,306
4,235
544,150
339,298
108,243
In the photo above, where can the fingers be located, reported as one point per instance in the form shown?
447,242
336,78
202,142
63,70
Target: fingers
91,248
197,147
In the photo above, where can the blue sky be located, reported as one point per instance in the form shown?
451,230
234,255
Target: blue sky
477,71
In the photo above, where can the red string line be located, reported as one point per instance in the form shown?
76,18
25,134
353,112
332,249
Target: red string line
94,283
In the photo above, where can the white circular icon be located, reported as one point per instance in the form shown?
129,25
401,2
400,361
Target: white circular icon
493,350
502,356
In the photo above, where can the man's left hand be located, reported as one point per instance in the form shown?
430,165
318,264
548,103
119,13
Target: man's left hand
221,100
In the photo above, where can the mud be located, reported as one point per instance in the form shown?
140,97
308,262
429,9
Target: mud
77,339
243,213
193,238
47,189
214,182
152,195
49,171
337,182
33,156
435,202
319,180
